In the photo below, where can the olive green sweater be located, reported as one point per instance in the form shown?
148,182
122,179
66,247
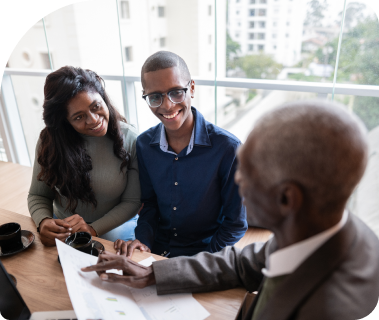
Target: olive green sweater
117,194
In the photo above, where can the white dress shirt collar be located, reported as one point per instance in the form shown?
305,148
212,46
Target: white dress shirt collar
286,260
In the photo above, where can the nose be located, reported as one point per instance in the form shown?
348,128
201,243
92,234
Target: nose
92,118
167,104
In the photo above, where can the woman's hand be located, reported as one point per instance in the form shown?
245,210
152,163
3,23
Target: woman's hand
51,229
78,224
134,274
126,248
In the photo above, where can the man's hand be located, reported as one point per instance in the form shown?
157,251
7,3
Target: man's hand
126,248
50,229
78,224
134,274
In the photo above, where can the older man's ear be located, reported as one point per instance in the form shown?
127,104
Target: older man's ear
290,198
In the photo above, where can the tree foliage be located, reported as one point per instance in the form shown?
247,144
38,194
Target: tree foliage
259,66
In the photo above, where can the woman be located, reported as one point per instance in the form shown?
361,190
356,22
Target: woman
85,175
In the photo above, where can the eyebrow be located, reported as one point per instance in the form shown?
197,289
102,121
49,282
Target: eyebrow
174,88
76,113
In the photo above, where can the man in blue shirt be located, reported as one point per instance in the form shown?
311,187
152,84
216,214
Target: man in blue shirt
186,168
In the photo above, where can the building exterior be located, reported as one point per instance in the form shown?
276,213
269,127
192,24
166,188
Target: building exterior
272,26
86,35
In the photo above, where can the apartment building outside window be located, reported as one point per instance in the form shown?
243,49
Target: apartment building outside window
252,12
162,42
261,47
161,12
262,12
251,36
210,66
209,10
252,1
261,36
251,47
262,24
210,39
263,1
251,25
128,54
124,5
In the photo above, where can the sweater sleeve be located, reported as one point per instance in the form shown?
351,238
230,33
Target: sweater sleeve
130,199
41,197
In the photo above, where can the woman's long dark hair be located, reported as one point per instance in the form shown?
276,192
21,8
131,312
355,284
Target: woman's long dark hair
65,164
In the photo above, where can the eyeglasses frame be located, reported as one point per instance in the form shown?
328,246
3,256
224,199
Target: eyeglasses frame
167,94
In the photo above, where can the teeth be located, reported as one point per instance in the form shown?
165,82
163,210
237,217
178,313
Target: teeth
171,116
97,127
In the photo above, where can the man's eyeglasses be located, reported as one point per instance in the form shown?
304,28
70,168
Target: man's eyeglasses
154,100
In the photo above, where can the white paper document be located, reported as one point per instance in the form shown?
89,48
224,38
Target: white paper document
93,298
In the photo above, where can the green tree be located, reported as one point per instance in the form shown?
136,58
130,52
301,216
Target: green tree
315,13
233,48
259,66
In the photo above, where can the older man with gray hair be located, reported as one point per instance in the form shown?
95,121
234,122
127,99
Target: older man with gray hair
296,172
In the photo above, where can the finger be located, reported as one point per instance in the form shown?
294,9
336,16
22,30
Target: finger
62,223
131,247
131,281
124,248
56,229
103,266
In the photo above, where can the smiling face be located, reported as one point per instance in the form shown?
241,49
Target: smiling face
88,114
174,116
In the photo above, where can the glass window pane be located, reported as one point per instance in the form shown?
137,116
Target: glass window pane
3,155
244,107
359,60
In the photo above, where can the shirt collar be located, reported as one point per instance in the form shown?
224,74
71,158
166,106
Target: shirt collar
286,260
163,143
200,132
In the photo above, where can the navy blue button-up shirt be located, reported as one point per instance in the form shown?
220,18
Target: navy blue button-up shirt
191,203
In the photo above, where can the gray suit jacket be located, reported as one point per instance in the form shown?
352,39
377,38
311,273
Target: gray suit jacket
340,280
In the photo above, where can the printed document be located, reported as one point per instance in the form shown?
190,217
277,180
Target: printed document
93,298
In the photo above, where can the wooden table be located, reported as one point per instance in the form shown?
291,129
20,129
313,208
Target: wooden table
41,282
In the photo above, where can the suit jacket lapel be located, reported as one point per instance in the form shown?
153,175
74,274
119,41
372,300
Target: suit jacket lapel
299,285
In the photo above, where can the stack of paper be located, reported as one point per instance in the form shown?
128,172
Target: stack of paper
93,298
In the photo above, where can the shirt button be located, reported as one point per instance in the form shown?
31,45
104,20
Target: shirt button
174,208
174,229
165,252
162,254
175,234
176,183
176,158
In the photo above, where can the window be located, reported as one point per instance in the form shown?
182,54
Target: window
262,24
261,36
274,47
252,1
237,35
287,35
274,24
161,12
210,66
45,60
125,14
251,25
209,10
288,23
251,47
261,47
263,1
237,12
251,36
210,39
128,54
162,42
274,35
252,12
262,12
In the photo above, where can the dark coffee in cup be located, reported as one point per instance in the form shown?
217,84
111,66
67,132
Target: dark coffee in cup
81,241
10,237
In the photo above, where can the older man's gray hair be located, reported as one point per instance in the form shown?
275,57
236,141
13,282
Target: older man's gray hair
317,144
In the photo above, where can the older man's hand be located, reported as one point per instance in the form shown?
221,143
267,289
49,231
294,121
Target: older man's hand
134,274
